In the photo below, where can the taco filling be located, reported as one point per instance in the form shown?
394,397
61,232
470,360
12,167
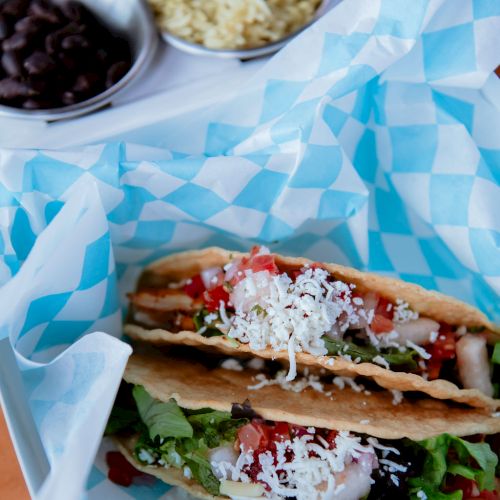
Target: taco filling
252,300
238,454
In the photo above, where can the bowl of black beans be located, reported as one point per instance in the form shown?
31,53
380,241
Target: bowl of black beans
61,59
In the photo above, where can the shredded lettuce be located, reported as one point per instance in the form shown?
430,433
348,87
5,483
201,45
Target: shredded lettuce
367,353
199,322
163,420
178,437
450,455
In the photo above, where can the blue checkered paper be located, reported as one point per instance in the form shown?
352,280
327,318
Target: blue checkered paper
370,140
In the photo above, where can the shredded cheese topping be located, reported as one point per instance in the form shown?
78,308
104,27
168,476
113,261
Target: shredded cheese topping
303,469
298,385
292,316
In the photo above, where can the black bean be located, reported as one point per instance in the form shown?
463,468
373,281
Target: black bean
68,98
69,62
12,88
5,28
30,24
75,42
14,8
116,72
39,63
18,41
37,104
45,11
12,63
86,82
73,11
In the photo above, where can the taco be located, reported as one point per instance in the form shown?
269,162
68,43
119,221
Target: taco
324,315
206,430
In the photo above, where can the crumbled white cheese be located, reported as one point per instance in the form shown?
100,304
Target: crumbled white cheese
392,466
397,397
496,414
210,318
403,313
256,364
187,472
292,315
297,385
421,494
145,456
232,364
381,361
301,468
364,421
420,350
342,382
374,442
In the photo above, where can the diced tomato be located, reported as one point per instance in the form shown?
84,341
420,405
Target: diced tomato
213,298
298,430
120,470
194,287
255,263
330,438
381,324
382,308
443,349
254,436
280,432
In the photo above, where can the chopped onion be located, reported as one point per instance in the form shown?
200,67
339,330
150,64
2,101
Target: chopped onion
418,331
208,275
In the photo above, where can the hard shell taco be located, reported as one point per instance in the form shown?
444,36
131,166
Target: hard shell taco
323,315
178,420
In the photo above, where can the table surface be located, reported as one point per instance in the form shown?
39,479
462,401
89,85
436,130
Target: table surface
12,485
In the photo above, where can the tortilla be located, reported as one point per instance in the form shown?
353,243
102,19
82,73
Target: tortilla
427,303
195,386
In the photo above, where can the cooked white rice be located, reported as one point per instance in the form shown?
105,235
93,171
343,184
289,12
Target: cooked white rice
233,24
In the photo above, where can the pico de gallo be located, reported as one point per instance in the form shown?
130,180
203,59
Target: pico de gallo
238,454
253,301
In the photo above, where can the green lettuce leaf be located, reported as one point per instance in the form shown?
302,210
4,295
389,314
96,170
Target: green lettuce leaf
216,427
475,461
211,330
495,358
366,353
122,419
184,437
162,419
202,472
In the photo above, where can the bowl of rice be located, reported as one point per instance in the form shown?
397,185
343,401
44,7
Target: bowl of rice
234,28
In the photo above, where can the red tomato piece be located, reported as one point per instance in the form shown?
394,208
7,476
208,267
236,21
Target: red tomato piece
382,308
255,263
253,436
195,287
264,263
330,438
120,470
381,324
213,298
280,432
